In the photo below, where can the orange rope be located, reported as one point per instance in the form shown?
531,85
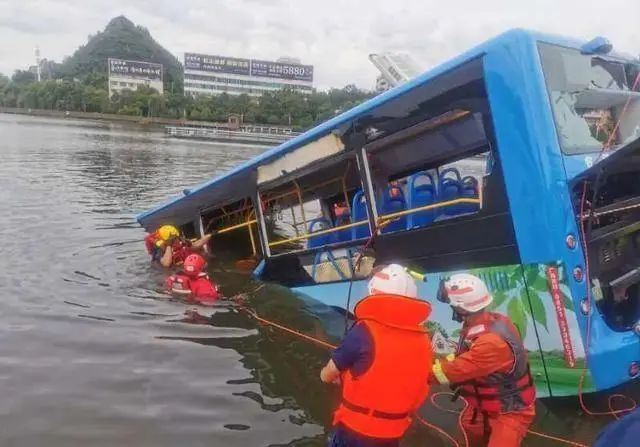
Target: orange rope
438,430
466,439
289,330
433,396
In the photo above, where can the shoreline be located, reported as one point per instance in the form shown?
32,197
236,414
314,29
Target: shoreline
96,116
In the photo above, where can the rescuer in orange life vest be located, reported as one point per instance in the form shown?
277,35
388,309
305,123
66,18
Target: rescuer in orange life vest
490,369
383,363
168,247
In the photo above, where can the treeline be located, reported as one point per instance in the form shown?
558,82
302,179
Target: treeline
90,95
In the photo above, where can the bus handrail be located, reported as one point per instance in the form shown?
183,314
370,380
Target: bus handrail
428,207
235,227
381,220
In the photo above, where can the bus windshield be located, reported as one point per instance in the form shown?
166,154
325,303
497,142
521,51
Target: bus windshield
588,95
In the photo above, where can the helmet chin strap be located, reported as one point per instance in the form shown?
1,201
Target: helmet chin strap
457,316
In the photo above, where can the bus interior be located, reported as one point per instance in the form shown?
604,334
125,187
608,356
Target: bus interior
429,163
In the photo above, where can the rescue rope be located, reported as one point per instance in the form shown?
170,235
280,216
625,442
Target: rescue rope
433,397
356,266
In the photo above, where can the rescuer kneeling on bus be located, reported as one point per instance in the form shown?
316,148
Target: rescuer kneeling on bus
192,283
383,363
168,247
490,369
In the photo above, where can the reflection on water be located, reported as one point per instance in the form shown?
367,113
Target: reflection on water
92,354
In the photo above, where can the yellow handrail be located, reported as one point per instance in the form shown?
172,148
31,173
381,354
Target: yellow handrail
427,207
299,193
235,227
318,233
381,220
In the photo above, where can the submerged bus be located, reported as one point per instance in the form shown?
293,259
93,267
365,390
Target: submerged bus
518,161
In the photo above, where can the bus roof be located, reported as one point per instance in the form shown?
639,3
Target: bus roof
222,187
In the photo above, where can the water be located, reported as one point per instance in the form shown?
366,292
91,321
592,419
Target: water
91,354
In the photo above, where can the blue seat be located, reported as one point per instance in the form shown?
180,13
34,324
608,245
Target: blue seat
450,188
359,213
324,239
343,235
470,191
421,195
393,202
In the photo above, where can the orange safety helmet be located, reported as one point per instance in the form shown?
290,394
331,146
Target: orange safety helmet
194,264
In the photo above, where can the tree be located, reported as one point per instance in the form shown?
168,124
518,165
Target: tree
434,326
23,77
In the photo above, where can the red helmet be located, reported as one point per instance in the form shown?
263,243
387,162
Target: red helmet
194,264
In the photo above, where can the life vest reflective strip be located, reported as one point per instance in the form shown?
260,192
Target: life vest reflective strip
379,403
182,284
500,392
179,283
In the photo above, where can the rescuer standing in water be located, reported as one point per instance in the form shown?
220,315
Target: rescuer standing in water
168,247
490,369
193,283
383,363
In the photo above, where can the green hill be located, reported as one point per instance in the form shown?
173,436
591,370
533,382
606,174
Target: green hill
124,40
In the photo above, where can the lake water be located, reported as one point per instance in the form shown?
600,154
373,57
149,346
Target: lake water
92,354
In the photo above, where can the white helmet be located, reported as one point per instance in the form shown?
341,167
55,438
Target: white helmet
467,292
394,280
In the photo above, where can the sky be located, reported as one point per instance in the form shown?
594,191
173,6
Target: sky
336,36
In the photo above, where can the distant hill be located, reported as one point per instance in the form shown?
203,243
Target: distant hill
124,40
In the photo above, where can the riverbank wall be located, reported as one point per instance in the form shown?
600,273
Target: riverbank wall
107,117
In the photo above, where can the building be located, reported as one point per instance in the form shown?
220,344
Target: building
395,69
129,75
442,345
213,75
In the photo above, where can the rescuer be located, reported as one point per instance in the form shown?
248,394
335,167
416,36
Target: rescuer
168,247
192,283
383,364
490,369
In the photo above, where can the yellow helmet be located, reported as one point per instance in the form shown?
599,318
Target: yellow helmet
166,232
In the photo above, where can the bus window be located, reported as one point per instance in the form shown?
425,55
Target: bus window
309,211
235,227
316,225
436,178
587,95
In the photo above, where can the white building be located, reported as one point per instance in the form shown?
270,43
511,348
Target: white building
213,75
395,69
129,75
442,345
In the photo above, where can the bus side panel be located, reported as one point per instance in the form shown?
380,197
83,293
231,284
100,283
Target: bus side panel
551,313
534,173
506,284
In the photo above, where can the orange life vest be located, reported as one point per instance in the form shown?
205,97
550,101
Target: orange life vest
379,403
179,250
500,392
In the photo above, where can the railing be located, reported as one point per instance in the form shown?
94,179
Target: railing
381,220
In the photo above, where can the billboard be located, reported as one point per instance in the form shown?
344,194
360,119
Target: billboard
248,67
217,64
135,70
282,70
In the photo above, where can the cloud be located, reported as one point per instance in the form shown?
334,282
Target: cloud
334,35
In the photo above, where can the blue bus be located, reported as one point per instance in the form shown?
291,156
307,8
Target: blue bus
518,161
